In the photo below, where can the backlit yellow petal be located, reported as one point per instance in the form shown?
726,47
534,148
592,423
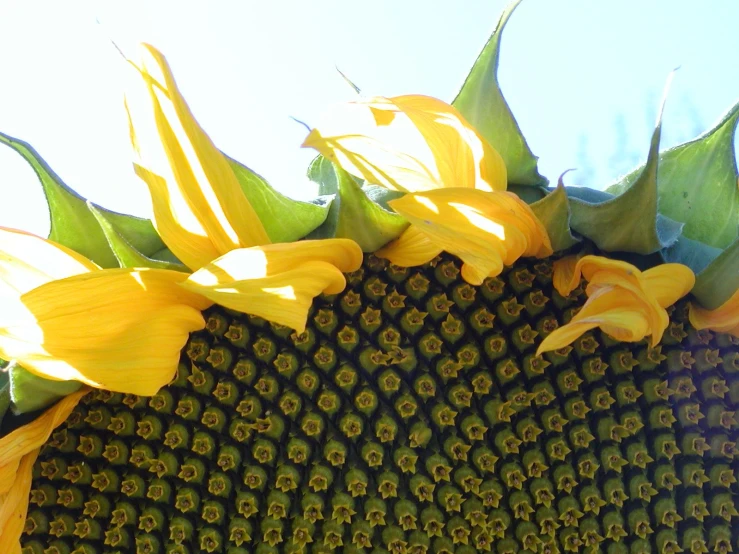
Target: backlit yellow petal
724,319
279,281
28,261
199,208
667,283
410,249
408,143
486,230
617,312
31,436
14,505
118,329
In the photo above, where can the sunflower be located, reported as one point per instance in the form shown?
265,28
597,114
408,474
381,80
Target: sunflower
442,354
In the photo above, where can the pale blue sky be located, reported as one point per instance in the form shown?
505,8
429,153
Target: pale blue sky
579,75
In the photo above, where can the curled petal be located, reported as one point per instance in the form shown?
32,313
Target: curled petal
624,302
618,313
724,319
568,271
28,261
486,230
118,329
200,210
31,436
410,249
14,505
657,317
279,281
408,143
667,283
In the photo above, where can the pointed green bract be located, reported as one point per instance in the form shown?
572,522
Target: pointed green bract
629,222
554,212
361,214
284,219
321,171
481,101
124,251
72,223
697,184
720,279
29,393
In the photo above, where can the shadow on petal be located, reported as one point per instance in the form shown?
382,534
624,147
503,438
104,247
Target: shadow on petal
408,143
486,230
279,281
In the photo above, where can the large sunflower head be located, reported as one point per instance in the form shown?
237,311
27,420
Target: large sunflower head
441,354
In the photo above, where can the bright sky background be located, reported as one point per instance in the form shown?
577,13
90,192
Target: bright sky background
583,77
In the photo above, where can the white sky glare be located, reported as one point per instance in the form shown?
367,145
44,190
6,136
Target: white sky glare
583,78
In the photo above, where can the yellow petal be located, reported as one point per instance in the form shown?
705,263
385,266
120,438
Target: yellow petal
601,271
117,329
408,143
667,283
28,261
486,230
630,304
14,505
410,249
279,281
657,317
31,436
724,319
616,312
566,275
200,210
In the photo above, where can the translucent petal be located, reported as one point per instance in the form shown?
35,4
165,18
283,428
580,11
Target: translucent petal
28,261
724,319
279,281
408,143
195,194
118,329
410,249
486,230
